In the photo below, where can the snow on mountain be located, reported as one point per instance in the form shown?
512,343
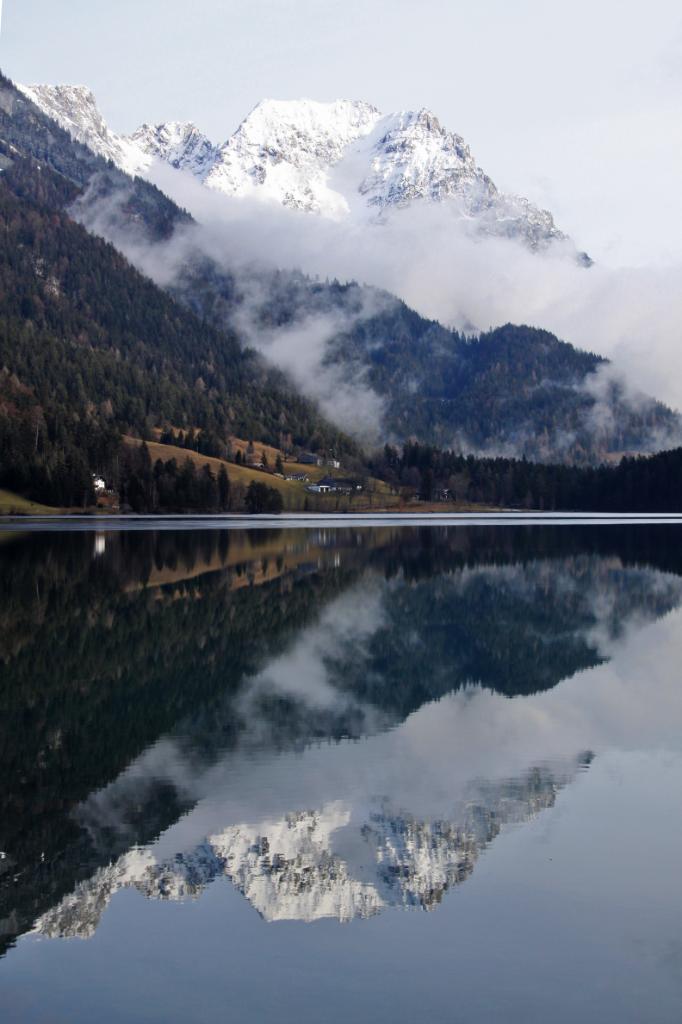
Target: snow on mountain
178,143
410,157
335,159
74,108
284,151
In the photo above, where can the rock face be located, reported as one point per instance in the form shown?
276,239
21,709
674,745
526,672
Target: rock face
285,151
337,159
74,108
177,143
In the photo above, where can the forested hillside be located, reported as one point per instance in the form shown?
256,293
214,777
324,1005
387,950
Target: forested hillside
513,390
90,349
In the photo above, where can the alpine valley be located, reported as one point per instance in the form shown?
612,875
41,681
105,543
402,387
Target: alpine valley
118,321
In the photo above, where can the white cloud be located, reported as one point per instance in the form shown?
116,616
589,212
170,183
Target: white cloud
426,256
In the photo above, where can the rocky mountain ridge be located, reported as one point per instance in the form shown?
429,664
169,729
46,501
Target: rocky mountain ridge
338,159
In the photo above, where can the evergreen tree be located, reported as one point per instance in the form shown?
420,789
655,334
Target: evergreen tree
223,489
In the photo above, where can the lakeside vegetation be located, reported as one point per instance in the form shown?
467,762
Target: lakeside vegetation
158,478
650,483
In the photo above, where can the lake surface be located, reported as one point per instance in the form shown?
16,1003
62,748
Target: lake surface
405,774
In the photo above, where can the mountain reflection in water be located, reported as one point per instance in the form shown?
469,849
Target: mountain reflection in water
337,721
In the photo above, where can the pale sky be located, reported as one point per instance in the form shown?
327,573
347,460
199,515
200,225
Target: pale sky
576,104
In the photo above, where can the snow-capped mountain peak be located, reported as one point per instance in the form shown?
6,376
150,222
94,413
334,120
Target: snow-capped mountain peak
305,124
283,151
178,143
75,109
415,158
74,106
335,159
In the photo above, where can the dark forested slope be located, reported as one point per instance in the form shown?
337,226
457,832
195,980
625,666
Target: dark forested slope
89,349
513,390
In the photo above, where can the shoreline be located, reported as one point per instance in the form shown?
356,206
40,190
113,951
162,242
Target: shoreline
308,520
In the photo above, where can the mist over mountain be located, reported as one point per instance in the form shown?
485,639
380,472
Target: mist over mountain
513,390
375,367
335,159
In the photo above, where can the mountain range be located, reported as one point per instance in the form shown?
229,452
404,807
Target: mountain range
337,159
181,352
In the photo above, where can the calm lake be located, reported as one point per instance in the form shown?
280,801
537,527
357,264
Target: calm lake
383,774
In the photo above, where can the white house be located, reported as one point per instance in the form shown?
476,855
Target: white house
330,485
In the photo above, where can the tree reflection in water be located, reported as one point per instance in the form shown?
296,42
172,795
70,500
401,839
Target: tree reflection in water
136,666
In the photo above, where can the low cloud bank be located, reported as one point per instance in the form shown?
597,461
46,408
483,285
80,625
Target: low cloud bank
434,261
